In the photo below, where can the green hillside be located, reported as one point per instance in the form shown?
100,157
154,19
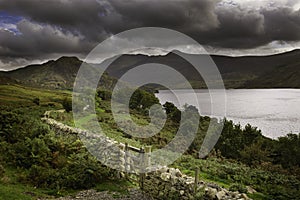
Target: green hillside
281,77
36,162
58,74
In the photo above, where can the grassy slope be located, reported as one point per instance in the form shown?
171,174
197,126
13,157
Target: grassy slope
282,77
16,94
20,96
221,171
13,96
211,170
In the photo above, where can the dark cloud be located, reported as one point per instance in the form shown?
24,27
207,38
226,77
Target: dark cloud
180,15
50,28
39,39
248,28
282,24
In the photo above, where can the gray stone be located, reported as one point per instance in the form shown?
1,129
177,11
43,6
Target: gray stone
211,193
250,190
244,196
221,194
165,176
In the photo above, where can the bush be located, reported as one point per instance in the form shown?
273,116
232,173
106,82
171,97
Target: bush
238,187
46,159
36,101
2,171
104,94
67,104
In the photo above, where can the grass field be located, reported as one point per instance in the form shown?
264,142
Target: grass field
23,96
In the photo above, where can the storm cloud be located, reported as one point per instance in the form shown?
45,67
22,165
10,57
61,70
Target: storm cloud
40,30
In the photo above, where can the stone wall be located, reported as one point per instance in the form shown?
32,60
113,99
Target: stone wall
110,152
164,183
170,183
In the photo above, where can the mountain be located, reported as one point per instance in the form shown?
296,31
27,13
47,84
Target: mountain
237,72
54,74
275,71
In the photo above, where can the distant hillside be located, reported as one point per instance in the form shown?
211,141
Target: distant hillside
281,70
286,76
237,72
58,74
4,79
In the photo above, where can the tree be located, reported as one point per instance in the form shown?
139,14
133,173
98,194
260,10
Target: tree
142,99
104,94
288,150
172,111
254,154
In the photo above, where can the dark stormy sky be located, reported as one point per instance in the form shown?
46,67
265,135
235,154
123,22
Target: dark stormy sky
33,31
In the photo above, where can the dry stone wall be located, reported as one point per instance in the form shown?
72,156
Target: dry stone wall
169,183
164,183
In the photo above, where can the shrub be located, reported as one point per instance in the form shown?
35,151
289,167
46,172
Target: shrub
238,187
67,104
2,171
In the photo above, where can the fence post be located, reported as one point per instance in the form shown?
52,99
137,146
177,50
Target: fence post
126,161
196,180
142,168
122,159
148,156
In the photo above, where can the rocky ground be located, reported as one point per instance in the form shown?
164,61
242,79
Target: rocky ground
134,194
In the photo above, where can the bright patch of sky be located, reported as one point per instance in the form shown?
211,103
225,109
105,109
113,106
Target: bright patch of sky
257,4
274,47
9,22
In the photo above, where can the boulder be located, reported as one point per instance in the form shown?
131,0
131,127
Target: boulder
211,193
250,190
221,194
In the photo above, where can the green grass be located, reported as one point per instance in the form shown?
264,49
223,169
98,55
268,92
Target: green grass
16,94
84,121
259,196
226,173
11,189
18,192
121,186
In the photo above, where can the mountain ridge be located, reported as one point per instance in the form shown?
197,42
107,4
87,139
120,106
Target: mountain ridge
278,70
237,72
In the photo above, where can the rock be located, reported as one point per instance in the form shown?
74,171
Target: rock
163,169
181,192
250,190
165,176
221,194
160,194
244,196
213,185
211,193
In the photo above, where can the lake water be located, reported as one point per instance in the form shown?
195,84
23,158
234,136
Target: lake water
274,111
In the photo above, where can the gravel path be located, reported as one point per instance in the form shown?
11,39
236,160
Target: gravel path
134,194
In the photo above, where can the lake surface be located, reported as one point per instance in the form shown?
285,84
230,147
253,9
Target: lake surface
274,111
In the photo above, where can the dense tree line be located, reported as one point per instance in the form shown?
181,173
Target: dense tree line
246,144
